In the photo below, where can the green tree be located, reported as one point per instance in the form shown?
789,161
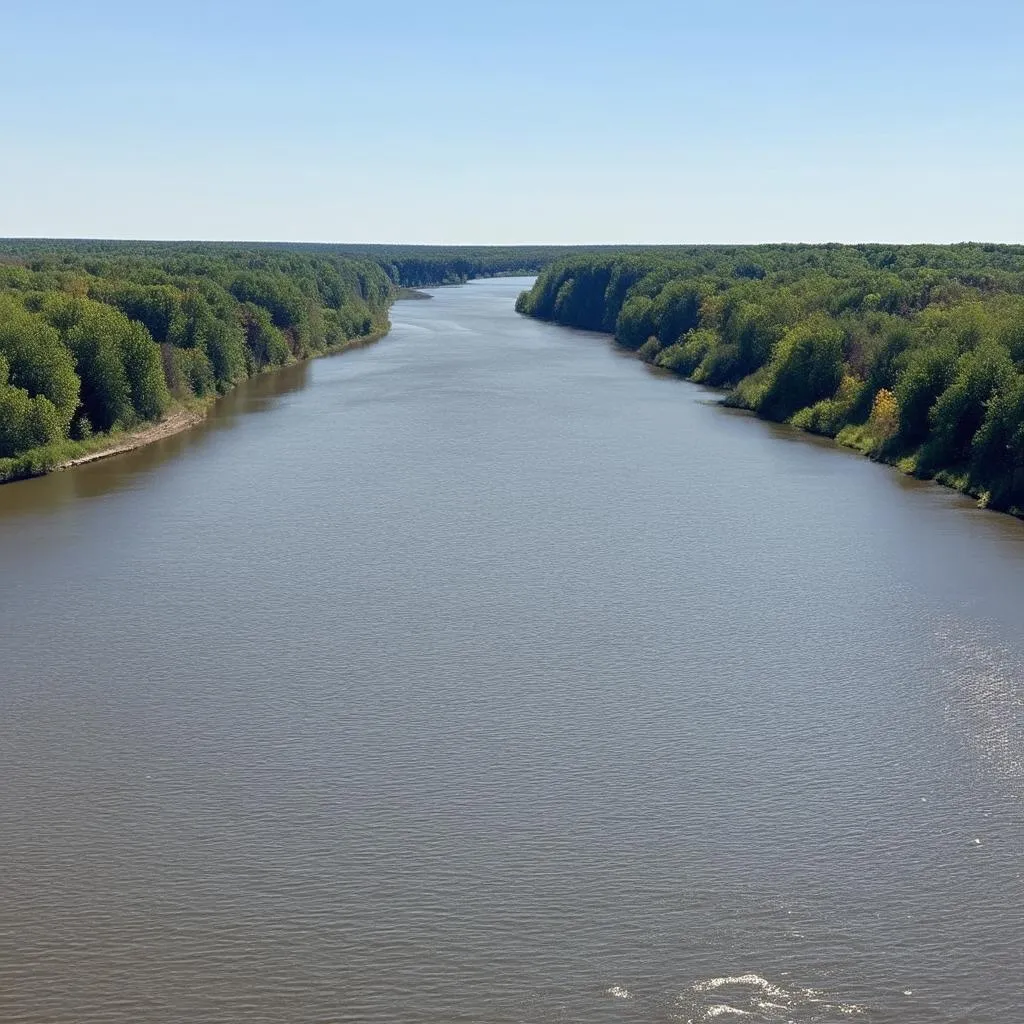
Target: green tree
25,422
806,368
636,322
265,344
997,465
959,411
924,374
37,360
141,360
119,365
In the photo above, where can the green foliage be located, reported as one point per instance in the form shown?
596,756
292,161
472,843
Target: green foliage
806,368
94,340
141,360
25,422
36,359
636,321
997,467
829,415
914,353
924,374
193,371
911,353
676,310
959,411
686,355
224,344
265,344
95,336
719,367
649,350
275,295
157,307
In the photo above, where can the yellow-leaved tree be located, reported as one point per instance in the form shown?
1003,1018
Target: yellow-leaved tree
885,416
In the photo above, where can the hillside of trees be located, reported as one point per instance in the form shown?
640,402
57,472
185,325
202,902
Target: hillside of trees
912,354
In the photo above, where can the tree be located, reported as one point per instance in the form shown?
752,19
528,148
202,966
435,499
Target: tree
25,422
141,360
924,374
676,311
959,411
806,368
120,368
997,464
636,322
37,360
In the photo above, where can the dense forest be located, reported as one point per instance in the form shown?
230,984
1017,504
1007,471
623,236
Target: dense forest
99,337
415,266
95,341
912,354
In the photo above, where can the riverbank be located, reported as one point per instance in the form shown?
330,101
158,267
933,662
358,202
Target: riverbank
851,439
98,335
177,421
912,355
182,416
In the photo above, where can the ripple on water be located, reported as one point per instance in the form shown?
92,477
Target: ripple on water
757,998
985,683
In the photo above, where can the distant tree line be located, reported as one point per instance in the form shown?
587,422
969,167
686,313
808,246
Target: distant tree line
913,354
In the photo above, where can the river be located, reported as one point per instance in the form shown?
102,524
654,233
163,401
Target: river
487,675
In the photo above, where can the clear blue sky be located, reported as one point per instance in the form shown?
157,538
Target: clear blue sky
565,121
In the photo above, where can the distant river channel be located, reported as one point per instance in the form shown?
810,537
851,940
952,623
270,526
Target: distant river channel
485,675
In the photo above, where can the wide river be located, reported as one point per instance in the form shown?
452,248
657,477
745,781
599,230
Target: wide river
486,675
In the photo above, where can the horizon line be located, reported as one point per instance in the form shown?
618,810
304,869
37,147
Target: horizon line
497,245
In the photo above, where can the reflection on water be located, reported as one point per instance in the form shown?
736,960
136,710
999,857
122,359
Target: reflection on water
985,698
105,476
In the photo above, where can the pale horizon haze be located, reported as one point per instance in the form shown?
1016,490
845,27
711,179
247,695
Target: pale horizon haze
521,123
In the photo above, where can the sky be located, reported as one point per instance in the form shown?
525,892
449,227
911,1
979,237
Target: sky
562,122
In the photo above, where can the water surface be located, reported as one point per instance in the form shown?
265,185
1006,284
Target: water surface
485,675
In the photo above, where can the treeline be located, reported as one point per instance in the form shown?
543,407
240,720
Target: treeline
97,337
913,354
411,266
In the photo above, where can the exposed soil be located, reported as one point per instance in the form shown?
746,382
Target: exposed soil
180,419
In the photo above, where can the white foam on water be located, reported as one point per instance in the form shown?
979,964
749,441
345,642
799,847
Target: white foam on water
618,992
751,980
846,1009
767,1000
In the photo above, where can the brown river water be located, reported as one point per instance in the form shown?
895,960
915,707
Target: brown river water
486,675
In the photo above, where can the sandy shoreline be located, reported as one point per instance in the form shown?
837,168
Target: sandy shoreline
177,421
